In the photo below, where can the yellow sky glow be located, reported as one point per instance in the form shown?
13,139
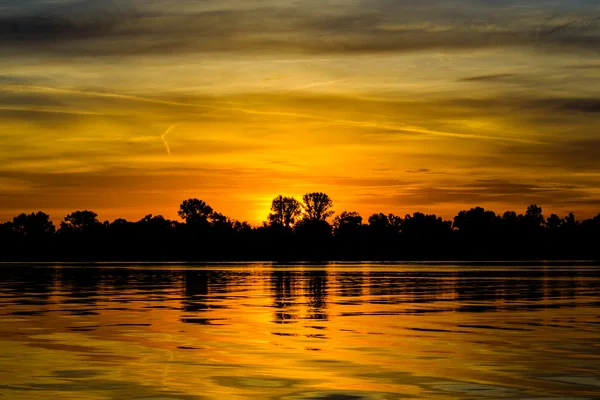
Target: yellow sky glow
383,114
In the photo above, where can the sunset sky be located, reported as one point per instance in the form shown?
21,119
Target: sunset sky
128,107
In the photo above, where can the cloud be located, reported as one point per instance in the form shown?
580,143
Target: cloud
528,103
583,66
449,197
580,25
581,105
568,154
330,136
275,29
362,183
45,100
496,191
486,78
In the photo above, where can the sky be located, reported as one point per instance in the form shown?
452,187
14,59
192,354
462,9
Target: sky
128,107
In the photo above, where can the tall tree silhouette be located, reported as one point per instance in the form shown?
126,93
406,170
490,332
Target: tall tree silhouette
317,206
314,226
284,211
533,222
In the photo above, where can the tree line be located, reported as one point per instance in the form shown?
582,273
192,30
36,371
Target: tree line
302,229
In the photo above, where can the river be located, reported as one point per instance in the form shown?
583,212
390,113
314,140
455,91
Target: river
335,331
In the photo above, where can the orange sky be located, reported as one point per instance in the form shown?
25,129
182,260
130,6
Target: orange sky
393,106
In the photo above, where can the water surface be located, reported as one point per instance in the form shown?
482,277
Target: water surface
329,332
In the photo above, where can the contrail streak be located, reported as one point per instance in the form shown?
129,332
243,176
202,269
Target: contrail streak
390,127
163,137
54,110
311,85
365,124
35,88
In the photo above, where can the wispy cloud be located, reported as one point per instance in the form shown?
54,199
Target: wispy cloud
272,29
481,78
51,110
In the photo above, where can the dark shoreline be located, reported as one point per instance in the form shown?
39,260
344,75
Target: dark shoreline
294,250
302,231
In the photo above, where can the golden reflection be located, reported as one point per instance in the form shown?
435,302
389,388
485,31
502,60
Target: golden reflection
370,331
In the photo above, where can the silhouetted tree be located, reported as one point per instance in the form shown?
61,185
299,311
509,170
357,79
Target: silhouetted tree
430,227
533,222
383,226
475,233
314,226
395,222
570,226
121,229
534,216
33,226
378,224
284,211
477,223
348,225
570,220
242,228
155,226
553,222
194,211
511,226
80,223
511,216
221,225
317,206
